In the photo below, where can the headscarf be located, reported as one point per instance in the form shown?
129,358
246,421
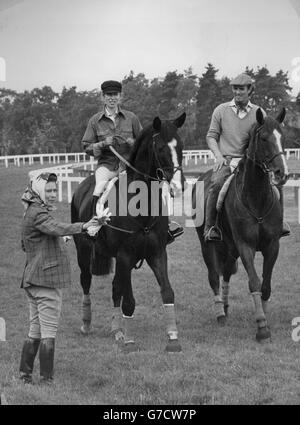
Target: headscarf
35,191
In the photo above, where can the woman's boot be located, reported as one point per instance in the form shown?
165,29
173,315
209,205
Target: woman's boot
47,347
29,351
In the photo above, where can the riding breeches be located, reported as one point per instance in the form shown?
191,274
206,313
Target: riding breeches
44,311
218,178
103,175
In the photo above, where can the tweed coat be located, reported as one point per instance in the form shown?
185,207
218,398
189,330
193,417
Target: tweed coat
47,261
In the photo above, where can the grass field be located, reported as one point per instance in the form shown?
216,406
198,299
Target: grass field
217,365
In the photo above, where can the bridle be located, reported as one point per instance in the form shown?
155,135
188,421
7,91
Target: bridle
159,169
263,165
145,229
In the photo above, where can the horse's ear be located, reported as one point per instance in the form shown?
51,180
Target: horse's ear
260,117
280,117
180,120
157,124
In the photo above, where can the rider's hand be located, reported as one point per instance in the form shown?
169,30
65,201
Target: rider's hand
108,141
130,141
220,161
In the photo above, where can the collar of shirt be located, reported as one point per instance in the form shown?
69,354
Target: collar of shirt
104,113
246,109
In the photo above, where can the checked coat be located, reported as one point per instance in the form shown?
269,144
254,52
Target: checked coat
47,261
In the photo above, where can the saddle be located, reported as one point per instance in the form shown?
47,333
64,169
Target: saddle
225,187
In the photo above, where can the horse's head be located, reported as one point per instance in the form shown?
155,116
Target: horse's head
266,146
167,148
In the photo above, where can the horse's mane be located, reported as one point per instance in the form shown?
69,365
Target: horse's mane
145,133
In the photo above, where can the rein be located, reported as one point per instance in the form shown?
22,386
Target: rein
160,168
144,229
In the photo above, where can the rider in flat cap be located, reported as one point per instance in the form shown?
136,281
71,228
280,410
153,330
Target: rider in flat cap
227,138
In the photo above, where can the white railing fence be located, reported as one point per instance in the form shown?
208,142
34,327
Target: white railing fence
57,158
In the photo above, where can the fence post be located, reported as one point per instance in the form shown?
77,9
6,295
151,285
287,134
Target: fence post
60,190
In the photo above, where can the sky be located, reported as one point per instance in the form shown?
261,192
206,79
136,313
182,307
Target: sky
82,43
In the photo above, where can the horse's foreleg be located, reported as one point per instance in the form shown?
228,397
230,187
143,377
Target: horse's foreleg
214,281
85,282
247,256
270,254
159,265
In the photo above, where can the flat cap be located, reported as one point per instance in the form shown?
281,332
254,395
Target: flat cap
111,87
241,80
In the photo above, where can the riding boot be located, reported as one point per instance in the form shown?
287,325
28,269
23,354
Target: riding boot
211,231
94,204
29,351
47,347
286,230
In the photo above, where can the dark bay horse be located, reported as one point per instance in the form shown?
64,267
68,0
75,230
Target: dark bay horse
251,220
139,233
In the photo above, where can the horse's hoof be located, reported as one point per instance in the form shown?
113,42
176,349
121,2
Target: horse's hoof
118,334
173,346
263,335
226,310
221,320
86,329
130,347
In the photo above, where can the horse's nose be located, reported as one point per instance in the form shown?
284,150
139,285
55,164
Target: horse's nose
285,178
281,177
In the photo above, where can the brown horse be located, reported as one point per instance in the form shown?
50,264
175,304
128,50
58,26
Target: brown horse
251,220
133,236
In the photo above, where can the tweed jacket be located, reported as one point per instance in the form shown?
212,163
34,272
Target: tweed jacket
47,261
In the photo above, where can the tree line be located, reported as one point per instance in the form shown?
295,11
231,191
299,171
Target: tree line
43,121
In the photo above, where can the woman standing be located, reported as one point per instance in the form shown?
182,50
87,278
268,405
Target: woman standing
47,271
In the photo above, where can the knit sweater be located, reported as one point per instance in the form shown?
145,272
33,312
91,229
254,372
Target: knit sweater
231,132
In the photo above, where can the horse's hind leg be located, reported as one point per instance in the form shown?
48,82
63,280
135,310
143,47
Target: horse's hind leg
83,257
159,266
270,254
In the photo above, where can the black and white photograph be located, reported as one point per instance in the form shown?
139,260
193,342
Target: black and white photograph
149,206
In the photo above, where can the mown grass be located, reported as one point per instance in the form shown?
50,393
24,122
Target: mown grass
217,365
